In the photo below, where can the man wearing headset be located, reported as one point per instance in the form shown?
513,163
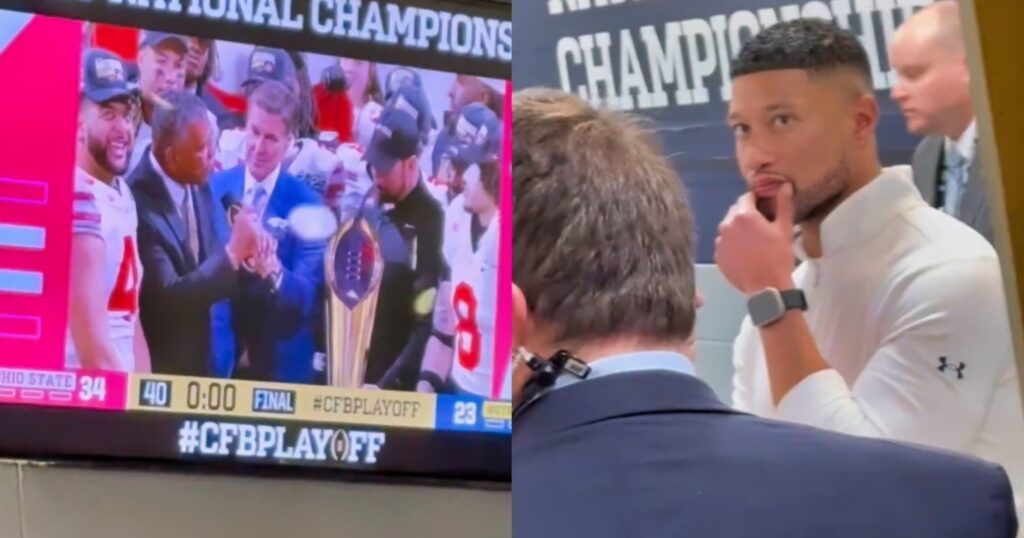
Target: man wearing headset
627,441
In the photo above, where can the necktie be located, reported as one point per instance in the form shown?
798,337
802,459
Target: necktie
189,212
259,200
953,175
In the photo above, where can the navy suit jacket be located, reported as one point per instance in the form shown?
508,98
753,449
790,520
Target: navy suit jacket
656,454
277,327
184,304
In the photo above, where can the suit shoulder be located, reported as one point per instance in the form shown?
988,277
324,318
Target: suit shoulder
226,175
223,181
141,188
948,472
780,467
928,149
298,188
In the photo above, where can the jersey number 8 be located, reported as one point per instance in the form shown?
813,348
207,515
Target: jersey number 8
467,334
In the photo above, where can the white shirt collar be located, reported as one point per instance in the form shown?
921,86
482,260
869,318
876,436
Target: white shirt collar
966,144
633,362
866,212
175,189
268,183
115,184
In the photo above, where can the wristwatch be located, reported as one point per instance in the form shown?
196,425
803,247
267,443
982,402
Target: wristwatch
769,305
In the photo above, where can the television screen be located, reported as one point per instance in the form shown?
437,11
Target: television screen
266,233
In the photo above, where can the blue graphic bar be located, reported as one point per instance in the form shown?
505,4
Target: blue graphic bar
17,236
472,414
12,281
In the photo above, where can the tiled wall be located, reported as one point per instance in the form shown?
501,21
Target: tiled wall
718,321
41,501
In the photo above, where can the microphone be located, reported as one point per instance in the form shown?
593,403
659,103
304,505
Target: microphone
545,372
231,206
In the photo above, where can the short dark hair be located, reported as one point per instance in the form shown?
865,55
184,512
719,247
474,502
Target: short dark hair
276,98
814,45
172,114
602,233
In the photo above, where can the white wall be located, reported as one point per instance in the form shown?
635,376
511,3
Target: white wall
40,501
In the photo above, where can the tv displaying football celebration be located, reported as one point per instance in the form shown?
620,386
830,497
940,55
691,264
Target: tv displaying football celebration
251,252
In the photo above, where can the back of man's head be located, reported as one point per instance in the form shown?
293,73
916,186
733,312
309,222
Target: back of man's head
602,232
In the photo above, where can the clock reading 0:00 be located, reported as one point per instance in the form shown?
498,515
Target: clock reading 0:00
217,397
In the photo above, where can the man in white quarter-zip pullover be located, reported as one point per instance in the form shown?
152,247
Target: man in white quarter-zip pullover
895,323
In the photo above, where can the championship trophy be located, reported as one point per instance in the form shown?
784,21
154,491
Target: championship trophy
353,268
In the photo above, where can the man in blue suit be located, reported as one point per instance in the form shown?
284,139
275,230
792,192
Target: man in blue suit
280,302
639,446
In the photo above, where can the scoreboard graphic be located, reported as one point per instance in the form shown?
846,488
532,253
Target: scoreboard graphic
35,181
444,433
304,403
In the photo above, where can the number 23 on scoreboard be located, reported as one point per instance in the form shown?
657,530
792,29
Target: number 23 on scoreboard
465,414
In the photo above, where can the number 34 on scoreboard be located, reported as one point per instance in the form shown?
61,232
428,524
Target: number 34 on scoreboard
101,390
92,388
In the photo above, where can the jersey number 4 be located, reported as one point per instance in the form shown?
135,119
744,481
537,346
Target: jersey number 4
125,295
467,334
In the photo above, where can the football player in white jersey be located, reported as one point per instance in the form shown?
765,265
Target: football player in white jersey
474,271
460,355
106,275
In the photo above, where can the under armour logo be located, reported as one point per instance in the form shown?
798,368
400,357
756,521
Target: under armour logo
944,365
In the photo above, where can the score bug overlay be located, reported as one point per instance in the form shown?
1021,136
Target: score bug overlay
83,389
250,399
302,403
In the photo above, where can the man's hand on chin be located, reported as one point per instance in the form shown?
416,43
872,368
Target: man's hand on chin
752,252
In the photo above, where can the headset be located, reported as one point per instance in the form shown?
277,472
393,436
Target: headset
544,373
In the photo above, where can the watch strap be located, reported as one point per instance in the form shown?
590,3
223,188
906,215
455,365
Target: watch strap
794,299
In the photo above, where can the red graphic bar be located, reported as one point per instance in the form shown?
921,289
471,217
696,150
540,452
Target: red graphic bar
20,327
37,164
23,191
503,326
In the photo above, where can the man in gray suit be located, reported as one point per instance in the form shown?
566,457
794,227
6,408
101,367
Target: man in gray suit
933,92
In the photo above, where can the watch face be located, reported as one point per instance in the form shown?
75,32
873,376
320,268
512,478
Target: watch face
765,307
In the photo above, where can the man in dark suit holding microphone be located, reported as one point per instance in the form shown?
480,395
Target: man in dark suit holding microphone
190,271
628,441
